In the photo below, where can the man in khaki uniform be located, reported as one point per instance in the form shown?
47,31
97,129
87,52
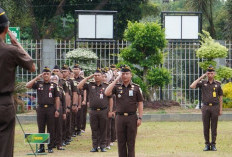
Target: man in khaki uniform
98,103
48,105
129,98
11,56
212,95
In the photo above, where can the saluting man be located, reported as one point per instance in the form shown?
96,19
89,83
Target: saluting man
128,97
71,99
98,103
212,96
48,105
59,120
11,56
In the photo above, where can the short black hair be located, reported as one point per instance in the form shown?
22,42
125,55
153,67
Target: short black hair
3,26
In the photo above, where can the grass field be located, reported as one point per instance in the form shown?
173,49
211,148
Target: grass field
154,139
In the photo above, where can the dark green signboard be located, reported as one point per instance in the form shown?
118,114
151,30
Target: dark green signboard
39,138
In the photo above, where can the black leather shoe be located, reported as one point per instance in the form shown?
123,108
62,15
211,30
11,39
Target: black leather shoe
41,150
103,150
60,148
94,150
73,135
63,144
207,148
78,133
213,148
67,143
50,150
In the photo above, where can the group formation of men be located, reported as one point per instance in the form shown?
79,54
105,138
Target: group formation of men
64,96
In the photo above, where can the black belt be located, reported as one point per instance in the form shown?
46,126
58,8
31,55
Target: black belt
98,109
46,105
6,94
125,113
211,104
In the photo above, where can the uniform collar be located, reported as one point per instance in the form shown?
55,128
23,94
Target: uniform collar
129,85
99,84
47,82
212,82
77,77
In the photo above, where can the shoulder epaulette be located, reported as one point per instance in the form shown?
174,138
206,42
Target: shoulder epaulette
135,84
217,81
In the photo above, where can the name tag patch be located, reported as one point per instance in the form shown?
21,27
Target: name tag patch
130,92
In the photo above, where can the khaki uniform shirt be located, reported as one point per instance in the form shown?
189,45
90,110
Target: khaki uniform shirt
127,98
208,89
96,94
46,92
10,57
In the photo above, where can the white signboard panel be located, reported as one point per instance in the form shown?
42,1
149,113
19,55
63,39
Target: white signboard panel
86,24
190,27
173,27
104,26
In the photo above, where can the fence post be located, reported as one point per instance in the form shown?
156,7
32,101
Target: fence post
48,53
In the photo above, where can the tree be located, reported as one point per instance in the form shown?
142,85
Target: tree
145,51
159,77
211,50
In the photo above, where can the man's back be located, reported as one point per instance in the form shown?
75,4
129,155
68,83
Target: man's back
10,57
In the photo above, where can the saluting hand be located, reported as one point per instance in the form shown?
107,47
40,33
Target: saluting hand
91,76
39,77
204,75
119,76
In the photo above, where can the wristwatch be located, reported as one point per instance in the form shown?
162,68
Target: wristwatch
58,110
140,118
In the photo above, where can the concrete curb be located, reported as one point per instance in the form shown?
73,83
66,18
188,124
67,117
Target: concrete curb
188,117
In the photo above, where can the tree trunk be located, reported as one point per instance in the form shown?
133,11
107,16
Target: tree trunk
211,24
34,26
161,93
147,95
51,27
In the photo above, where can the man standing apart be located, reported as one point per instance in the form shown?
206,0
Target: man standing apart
128,97
10,57
212,95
